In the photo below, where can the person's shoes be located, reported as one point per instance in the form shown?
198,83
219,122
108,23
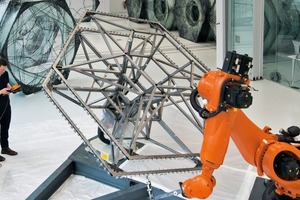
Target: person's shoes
8,151
2,158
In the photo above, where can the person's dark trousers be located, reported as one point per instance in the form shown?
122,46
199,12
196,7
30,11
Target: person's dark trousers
4,126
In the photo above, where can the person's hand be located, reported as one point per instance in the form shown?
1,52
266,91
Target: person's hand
5,91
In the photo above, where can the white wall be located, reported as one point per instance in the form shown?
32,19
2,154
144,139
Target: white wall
220,32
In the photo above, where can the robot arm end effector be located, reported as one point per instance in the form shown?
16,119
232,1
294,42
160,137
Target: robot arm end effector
236,89
237,64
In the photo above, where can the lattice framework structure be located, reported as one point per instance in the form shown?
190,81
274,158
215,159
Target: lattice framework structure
132,91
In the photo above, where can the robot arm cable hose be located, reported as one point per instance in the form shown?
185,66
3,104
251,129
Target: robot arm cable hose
203,112
194,103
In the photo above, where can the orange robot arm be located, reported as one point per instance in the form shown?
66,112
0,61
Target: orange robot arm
227,92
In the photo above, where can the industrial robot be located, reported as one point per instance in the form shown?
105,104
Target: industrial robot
225,92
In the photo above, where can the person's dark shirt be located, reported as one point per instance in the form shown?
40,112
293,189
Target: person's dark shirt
4,99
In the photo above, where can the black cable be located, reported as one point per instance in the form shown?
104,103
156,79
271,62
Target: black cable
194,103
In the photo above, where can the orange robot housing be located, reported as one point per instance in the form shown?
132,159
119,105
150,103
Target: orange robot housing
226,92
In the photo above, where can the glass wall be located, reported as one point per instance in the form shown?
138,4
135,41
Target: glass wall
240,26
280,37
282,42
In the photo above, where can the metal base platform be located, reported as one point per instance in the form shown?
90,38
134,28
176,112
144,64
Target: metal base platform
258,189
81,162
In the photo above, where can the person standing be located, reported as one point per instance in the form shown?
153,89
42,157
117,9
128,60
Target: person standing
5,109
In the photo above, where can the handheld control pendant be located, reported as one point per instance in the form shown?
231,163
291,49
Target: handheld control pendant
15,88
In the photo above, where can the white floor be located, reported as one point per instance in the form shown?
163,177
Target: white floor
44,141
